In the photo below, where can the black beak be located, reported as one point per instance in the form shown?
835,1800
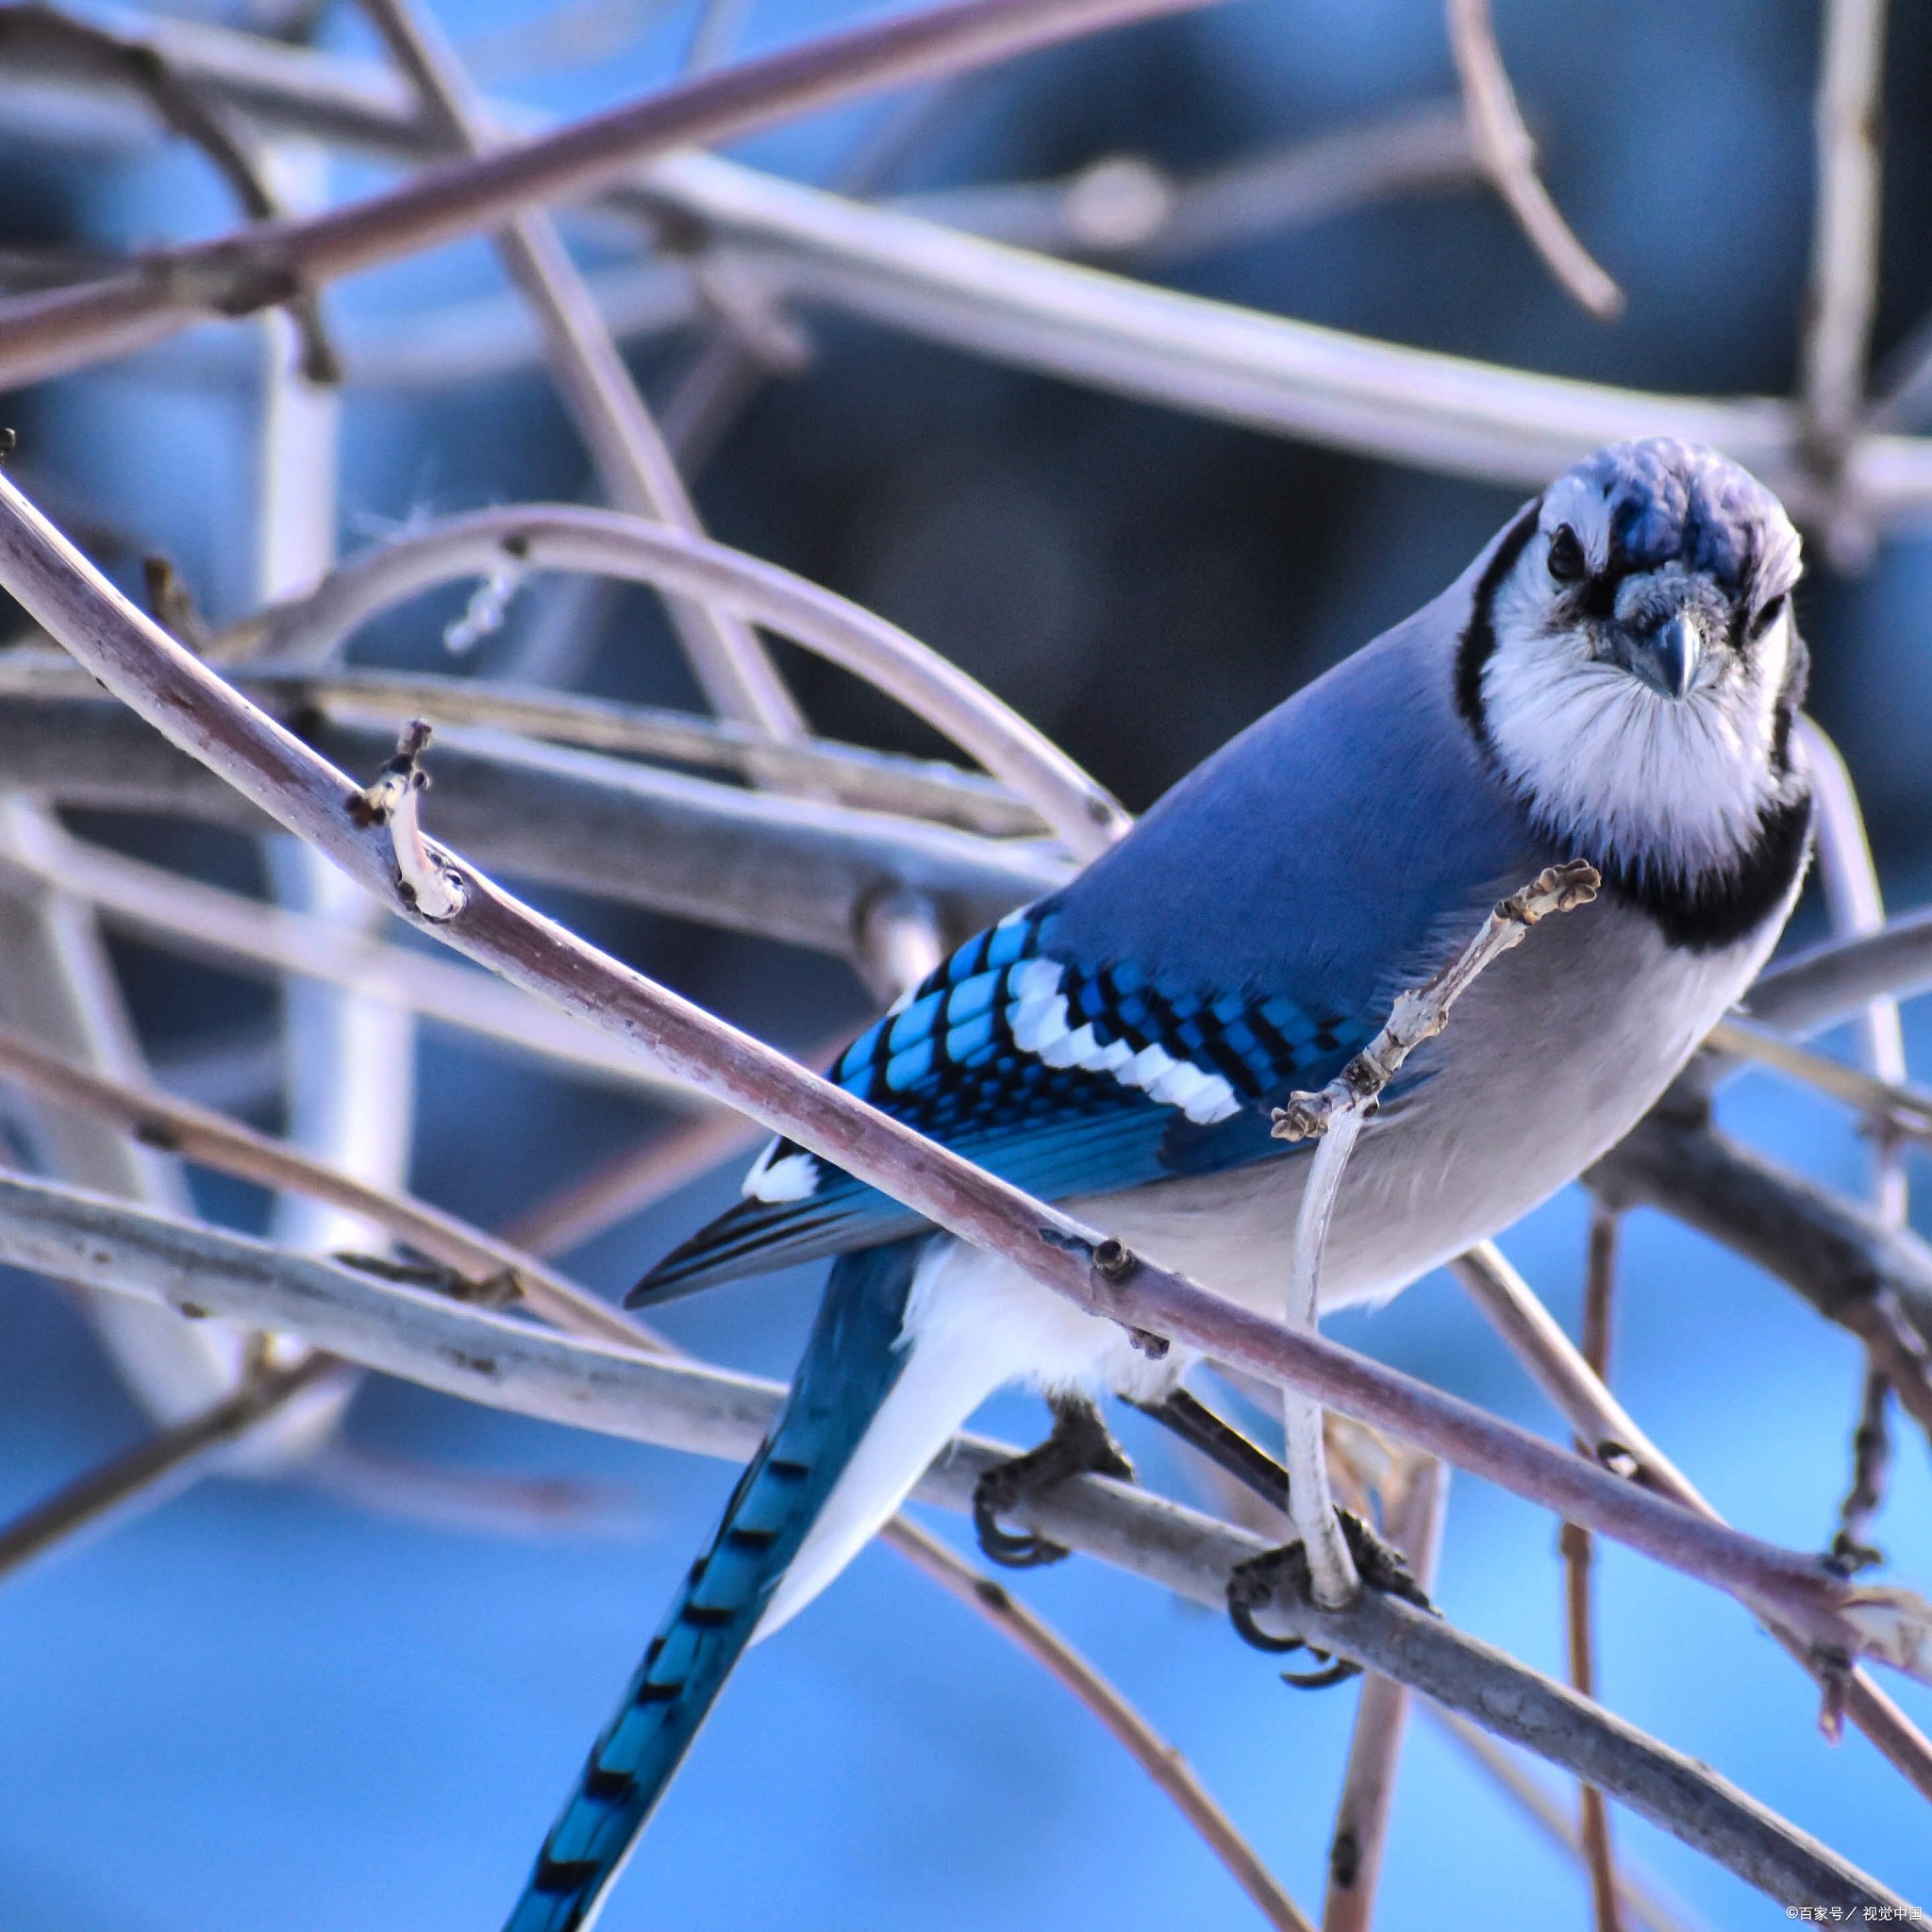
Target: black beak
1667,658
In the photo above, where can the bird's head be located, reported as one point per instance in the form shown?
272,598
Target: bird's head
1632,666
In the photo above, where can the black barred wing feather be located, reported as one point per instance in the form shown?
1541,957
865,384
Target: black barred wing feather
1062,1079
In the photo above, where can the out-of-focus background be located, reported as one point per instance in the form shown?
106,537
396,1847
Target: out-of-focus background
273,1706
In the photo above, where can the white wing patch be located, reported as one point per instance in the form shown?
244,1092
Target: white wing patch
1039,1018
793,1178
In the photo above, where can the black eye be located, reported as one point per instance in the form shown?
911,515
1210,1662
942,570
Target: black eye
1767,617
1567,561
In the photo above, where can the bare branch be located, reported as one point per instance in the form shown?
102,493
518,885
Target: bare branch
479,1355
1892,1106
880,781
568,537
1413,1521
1380,398
1338,1113
204,121
1617,1440
183,697
1831,981
729,662
1160,1759
206,923
1640,1898
1845,230
1578,1546
1508,155
55,330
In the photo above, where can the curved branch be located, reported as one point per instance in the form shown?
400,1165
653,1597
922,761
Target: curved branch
312,632
1508,155
482,1356
182,696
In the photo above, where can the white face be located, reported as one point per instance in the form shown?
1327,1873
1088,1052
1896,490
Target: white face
1639,714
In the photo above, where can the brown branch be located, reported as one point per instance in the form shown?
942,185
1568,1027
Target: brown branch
730,664
173,289
1160,1759
141,1474
1413,1521
183,697
1594,1824
1508,156
1537,1341
202,120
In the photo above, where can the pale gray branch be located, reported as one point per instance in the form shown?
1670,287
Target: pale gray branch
176,691
479,1355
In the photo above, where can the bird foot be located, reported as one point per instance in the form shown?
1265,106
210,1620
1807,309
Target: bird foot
1081,1444
1283,1575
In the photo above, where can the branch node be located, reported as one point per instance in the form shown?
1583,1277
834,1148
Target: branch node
422,880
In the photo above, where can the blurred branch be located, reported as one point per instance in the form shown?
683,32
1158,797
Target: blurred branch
916,788
150,1470
803,870
450,1495
730,664
1831,981
207,923
1837,1253
1412,1519
1892,1108
630,1181
156,1121
1641,1899
1578,1549
1845,232
1161,1760
1508,155
42,33
1377,398
1537,1341
567,536
479,1355
55,330
179,694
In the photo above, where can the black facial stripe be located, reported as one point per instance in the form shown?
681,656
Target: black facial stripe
1718,909
1479,635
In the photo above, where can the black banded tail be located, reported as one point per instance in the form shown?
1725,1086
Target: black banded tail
850,1366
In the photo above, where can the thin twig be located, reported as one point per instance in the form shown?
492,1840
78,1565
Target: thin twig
184,699
1593,1819
1844,231
201,119
1856,906
1160,1759
1832,980
55,330
1537,1341
1413,1521
799,870
1508,153
1338,1114
570,536
480,1355
881,781
208,922
145,1473
731,665
1893,1106
1640,1898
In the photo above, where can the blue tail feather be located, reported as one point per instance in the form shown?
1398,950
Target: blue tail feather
850,1366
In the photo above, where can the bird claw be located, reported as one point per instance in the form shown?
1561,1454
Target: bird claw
1081,1444
1283,1573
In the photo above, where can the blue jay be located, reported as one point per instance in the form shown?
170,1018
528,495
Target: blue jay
1614,677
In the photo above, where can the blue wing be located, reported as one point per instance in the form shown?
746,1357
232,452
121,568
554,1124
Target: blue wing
1061,1077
